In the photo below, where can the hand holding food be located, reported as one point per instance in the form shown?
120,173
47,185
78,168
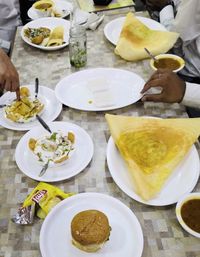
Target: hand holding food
173,88
9,78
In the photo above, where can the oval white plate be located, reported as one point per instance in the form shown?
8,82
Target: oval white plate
181,201
52,108
182,180
113,29
124,86
62,5
126,238
51,23
83,152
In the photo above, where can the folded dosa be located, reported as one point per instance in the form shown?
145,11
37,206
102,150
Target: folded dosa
56,37
135,36
152,148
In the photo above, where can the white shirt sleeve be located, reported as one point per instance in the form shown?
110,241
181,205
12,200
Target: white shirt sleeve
192,95
166,16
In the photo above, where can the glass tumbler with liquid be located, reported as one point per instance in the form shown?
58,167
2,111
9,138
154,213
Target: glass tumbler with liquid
78,46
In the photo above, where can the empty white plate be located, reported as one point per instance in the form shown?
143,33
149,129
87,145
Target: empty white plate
100,89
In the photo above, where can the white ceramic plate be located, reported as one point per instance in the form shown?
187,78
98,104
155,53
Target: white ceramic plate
124,87
51,111
64,6
182,180
51,23
126,237
113,29
83,152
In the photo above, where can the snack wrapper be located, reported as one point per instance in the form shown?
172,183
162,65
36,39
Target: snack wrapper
40,201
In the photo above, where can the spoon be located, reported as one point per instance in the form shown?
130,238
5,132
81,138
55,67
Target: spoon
151,55
44,169
43,123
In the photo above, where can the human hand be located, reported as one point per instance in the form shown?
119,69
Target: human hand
156,5
9,78
173,88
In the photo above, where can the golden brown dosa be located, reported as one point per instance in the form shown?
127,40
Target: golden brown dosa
152,148
56,37
135,36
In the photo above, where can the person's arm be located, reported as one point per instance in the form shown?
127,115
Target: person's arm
9,78
192,95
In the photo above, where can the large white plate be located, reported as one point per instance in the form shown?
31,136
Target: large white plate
80,158
66,8
182,180
113,29
125,87
51,111
126,237
51,23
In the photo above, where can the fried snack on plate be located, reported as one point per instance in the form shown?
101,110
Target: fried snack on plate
53,148
135,36
90,229
37,35
152,148
25,109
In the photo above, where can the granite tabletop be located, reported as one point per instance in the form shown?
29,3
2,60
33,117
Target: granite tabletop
163,236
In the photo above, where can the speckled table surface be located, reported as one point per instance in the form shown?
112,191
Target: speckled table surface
163,235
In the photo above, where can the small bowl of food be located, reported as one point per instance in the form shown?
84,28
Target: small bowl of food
167,61
43,8
188,213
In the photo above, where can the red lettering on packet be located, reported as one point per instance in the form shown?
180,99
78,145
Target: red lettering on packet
39,195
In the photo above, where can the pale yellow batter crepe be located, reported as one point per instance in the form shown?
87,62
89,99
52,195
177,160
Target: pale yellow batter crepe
135,36
152,148
56,37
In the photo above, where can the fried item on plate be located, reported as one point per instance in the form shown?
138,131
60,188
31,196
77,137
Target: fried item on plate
37,35
90,230
25,109
56,37
152,148
135,36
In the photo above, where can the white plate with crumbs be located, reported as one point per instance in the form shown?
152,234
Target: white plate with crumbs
126,238
49,23
100,89
113,29
78,161
181,181
52,108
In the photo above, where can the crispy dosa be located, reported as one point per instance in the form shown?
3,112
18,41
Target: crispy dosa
56,37
152,148
135,36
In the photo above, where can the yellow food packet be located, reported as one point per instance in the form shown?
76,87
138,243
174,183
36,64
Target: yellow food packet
40,201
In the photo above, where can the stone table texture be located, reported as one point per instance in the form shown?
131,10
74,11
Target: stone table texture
163,235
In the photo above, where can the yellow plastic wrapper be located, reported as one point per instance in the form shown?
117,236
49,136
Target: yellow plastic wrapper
40,201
